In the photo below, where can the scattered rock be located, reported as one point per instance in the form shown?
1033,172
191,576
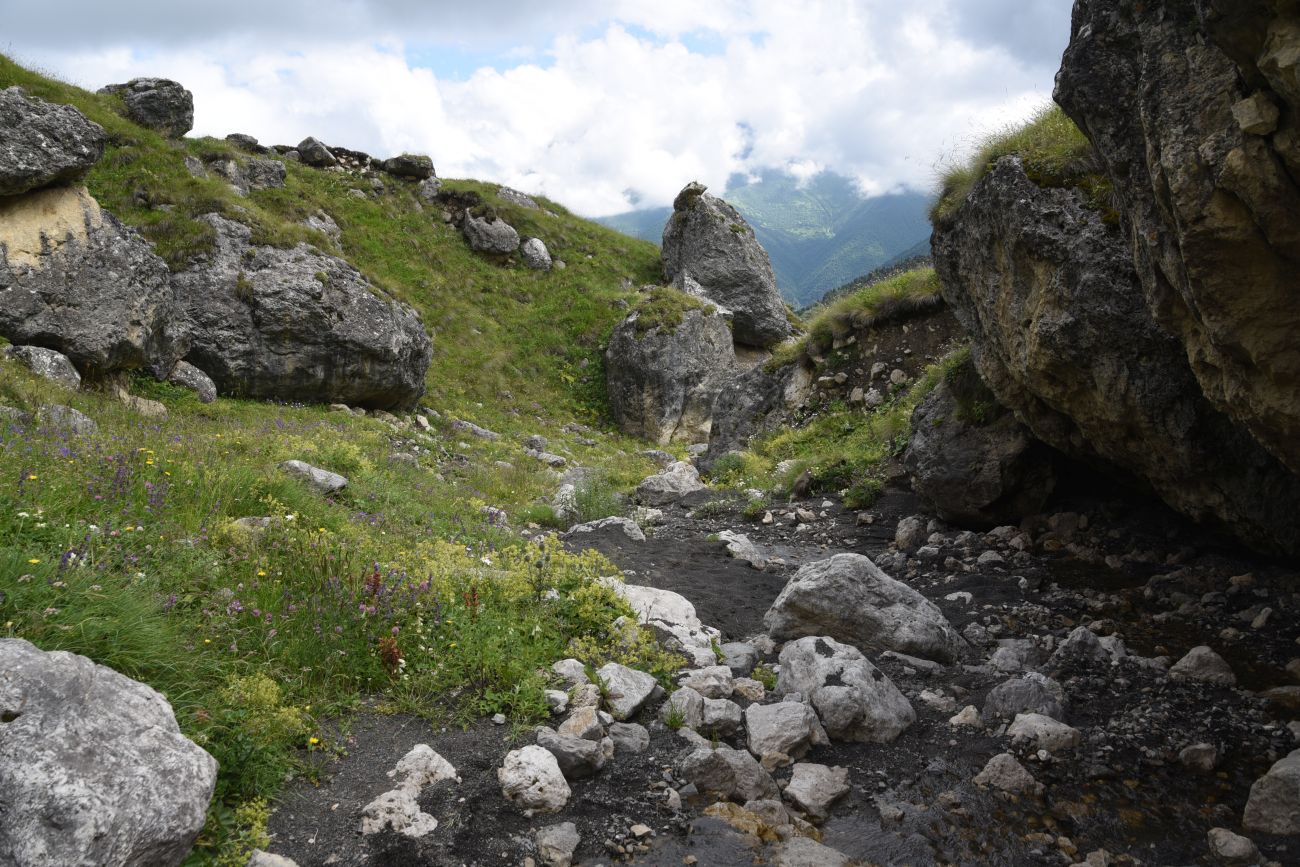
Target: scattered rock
158,103
1043,732
323,481
727,773
313,153
557,843
629,738
626,689
680,479
806,852
535,255
188,376
1005,773
414,166
67,418
740,548
853,698
578,758
713,681
787,729
628,527
1230,848
813,788
1205,666
490,236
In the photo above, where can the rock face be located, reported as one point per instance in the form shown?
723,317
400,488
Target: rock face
43,143
847,597
1063,337
707,241
976,472
93,767
74,279
298,325
1195,111
752,402
662,385
158,103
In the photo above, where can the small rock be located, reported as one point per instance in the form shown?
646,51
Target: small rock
813,788
629,738
1005,773
1043,732
322,481
1205,666
531,778
557,843
1230,848
1199,757
626,689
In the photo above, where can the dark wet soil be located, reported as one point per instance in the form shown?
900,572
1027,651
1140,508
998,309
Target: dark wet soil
1160,584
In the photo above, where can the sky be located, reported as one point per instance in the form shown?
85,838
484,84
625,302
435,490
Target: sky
602,105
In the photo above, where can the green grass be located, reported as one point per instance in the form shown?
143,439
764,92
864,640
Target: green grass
876,303
664,308
1055,154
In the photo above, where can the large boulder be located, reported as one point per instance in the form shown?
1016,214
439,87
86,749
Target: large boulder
754,401
972,462
43,143
494,236
74,279
849,598
93,768
1062,335
1274,803
414,166
662,382
707,241
298,325
313,152
854,700
158,103
675,482
1194,108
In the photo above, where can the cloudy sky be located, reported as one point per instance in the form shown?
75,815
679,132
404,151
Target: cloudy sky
603,105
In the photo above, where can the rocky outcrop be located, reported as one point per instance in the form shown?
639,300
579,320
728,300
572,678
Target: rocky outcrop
74,279
663,382
1063,337
298,325
754,401
93,767
971,462
42,143
707,242
158,103
1194,108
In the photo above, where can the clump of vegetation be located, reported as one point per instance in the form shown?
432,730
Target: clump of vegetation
764,674
664,309
1054,151
895,297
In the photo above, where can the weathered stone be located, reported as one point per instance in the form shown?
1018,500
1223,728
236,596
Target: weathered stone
93,767
713,681
1043,732
414,166
557,843
299,325
74,279
722,717
1229,848
490,236
673,618
1062,335
807,852
45,363
740,657
708,242
910,534
727,773
971,461
583,723
680,479
788,728
323,481
683,709
43,143
813,788
535,255
627,526
1083,645
577,757
1274,803
626,689
265,174
849,598
268,859
158,103
1030,693
754,401
853,698
313,153
188,376
66,418
530,777
1205,666
397,810
662,384
629,738
1211,209
1005,773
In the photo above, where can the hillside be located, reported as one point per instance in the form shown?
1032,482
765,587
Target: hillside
819,235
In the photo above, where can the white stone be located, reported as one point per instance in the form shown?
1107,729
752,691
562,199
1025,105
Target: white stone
530,777
626,689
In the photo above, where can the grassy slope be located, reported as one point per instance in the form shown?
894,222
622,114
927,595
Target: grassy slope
123,546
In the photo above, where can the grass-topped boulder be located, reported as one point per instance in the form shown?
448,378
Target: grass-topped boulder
665,365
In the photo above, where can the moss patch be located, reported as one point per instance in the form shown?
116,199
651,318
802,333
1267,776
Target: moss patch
665,308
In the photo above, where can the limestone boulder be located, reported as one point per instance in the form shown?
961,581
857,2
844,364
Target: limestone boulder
1274,803
43,143
299,325
675,482
849,598
754,401
708,242
854,700
45,363
530,777
93,767
161,104
494,236
663,382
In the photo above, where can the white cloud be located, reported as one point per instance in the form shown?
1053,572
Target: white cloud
602,106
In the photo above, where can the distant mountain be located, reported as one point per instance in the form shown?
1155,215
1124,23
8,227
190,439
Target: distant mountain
820,235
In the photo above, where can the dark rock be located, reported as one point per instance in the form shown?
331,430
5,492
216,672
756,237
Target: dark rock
662,384
1030,693
1206,187
93,766
415,166
708,242
754,402
42,143
246,143
1062,336
158,103
298,325
74,279
975,465
312,153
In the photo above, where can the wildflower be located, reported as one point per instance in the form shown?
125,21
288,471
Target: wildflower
34,560
96,587
261,573
51,611
313,741
31,477
23,515
207,641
